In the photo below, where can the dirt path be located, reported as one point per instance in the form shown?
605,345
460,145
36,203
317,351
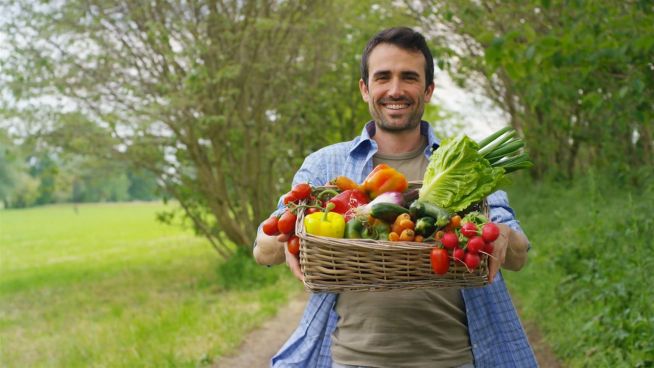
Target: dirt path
262,343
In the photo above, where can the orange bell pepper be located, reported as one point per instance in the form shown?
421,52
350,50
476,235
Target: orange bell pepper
382,179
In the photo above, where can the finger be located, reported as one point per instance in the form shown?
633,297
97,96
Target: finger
283,238
493,266
294,264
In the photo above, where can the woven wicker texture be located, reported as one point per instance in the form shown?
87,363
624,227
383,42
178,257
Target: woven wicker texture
337,265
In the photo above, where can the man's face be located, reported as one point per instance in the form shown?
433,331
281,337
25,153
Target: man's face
396,93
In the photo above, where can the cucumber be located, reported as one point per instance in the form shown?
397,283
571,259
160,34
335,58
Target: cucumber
387,211
420,209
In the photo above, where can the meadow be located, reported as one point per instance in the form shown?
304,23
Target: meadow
106,285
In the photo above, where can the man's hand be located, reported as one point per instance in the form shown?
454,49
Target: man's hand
510,251
292,261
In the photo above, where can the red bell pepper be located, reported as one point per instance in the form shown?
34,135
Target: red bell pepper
345,202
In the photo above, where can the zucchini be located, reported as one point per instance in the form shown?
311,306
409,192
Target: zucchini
425,226
387,211
420,209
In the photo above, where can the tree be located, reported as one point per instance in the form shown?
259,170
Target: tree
218,99
575,76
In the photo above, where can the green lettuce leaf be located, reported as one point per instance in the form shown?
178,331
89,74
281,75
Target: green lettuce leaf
458,176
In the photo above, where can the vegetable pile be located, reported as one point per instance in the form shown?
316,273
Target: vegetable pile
443,212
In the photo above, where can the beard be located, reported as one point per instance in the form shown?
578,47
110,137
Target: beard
387,123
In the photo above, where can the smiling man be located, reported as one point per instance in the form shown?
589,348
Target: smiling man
426,327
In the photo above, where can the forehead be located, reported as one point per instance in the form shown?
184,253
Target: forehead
390,58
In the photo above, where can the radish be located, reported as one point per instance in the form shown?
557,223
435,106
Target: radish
450,240
469,229
472,260
490,232
475,244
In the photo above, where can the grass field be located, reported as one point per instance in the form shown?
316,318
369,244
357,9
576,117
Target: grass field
109,286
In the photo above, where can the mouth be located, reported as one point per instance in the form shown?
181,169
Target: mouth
396,104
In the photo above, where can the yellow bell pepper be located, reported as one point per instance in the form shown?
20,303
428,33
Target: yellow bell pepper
330,224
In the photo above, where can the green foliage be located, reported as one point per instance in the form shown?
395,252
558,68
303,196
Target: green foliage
241,273
108,285
575,76
587,279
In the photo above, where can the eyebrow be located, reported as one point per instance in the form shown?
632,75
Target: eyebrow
383,73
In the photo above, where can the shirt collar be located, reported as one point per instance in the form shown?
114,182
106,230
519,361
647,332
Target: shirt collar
364,144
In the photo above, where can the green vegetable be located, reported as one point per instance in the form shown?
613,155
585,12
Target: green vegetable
353,229
462,172
420,209
387,211
425,226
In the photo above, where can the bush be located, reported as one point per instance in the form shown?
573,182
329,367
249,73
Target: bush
588,282
240,272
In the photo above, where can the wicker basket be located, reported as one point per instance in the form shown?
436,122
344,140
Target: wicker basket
337,265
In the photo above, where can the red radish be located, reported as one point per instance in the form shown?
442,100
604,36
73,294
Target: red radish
269,226
490,232
475,244
459,254
488,248
469,229
450,240
472,260
439,261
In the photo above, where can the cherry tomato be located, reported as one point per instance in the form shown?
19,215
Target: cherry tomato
475,244
490,232
450,240
301,191
455,221
439,261
472,260
311,210
469,229
269,226
286,223
294,245
459,254
289,198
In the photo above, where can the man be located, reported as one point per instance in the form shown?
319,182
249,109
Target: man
475,327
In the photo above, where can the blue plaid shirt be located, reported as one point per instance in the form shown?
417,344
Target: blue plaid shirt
496,335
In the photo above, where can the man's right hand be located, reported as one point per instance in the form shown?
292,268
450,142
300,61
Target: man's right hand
292,261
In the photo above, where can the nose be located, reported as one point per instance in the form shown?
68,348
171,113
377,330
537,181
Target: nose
395,88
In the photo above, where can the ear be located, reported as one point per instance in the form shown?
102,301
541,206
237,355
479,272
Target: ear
429,91
364,90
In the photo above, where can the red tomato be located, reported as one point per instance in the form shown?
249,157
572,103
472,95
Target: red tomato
286,223
294,245
439,260
450,240
311,210
289,198
469,229
269,226
490,232
488,248
301,191
459,254
472,260
475,244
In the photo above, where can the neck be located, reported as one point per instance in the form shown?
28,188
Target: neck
392,143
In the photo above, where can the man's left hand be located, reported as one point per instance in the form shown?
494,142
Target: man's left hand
510,251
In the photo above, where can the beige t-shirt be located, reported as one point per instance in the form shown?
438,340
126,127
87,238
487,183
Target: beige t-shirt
402,328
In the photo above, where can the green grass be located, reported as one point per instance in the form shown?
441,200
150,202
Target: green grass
588,282
109,286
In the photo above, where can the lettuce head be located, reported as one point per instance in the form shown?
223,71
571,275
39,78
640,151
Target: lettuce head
458,176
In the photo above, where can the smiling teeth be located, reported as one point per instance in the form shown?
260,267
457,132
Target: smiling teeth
396,107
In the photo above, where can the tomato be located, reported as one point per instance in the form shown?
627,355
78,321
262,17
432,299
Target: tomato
439,261
311,210
472,260
450,240
286,223
459,254
294,245
301,191
269,226
455,221
289,198
469,229
490,232
475,244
